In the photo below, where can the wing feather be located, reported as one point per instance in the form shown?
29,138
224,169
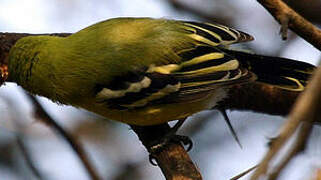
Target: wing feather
202,68
216,34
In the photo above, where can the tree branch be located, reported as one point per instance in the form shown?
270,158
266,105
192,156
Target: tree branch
298,146
75,145
174,161
26,154
288,17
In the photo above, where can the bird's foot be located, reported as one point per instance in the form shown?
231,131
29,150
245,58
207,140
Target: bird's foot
163,143
171,137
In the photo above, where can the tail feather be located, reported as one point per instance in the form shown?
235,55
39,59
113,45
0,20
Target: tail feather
281,72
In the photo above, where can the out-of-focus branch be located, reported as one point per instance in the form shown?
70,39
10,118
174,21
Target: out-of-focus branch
317,175
76,146
26,155
129,171
288,18
298,146
307,109
244,173
19,139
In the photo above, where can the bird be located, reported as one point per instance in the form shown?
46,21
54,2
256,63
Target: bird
145,71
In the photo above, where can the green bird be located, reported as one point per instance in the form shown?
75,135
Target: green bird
144,71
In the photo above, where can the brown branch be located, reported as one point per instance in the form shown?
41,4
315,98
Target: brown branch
283,13
317,175
174,160
310,9
297,147
72,141
244,173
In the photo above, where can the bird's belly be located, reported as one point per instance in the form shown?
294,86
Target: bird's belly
158,114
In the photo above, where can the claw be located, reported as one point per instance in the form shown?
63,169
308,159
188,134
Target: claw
161,144
227,120
185,140
152,160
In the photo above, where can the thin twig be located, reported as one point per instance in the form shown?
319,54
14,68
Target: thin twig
283,13
298,146
76,146
317,175
26,154
244,173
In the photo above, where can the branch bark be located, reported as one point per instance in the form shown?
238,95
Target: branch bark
174,161
283,13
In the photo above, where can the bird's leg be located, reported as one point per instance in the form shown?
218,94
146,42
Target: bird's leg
227,120
170,137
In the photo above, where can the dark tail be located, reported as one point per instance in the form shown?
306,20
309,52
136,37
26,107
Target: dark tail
281,72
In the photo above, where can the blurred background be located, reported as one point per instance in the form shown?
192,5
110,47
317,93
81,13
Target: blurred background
114,149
